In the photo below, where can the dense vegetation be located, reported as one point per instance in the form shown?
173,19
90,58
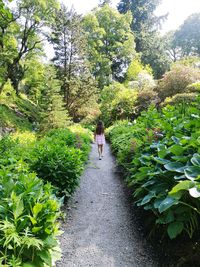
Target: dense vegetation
160,153
111,64
34,172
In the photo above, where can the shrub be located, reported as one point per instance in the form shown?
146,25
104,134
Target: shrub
58,164
59,158
193,88
28,226
117,102
164,168
28,207
135,68
176,81
185,98
145,99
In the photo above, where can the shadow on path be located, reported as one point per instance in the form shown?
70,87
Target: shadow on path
101,230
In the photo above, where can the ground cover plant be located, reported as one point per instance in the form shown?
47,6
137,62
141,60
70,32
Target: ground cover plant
59,158
163,165
29,204
28,218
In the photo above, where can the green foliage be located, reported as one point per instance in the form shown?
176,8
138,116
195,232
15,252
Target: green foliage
34,78
148,42
17,113
174,52
176,81
28,207
188,61
145,98
187,36
117,102
194,87
59,158
55,114
21,36
28,226
184,98
110,43
135,68
73,69
163,165
59,165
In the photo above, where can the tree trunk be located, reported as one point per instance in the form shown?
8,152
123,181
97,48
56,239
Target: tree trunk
15,74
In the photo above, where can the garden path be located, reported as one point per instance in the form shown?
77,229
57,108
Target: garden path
101,230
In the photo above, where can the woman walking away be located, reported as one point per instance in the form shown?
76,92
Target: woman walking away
99,137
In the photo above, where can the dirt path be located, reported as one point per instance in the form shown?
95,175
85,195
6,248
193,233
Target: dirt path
101,229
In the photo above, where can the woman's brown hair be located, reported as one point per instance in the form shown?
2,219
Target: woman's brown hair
99,128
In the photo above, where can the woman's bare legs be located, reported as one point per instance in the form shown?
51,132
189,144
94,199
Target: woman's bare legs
100,150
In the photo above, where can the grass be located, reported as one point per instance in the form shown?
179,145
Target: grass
17,113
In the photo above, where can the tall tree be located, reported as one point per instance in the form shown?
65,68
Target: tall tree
69,43
144,19
54,113
6,42
154,53
144,26
27,25
110,43
188,35
173,50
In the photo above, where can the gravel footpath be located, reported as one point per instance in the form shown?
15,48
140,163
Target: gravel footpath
101,230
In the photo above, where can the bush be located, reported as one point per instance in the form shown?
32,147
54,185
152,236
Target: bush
193,88
59,157
117,102
145,99
176,81
185,98
28,226
164,166
58,164
28,206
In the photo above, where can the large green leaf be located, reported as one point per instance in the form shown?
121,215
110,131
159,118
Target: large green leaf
37,208
192,172
196,160
182,159
175,139
157,203
166,217
167,203
45,255
147,198
180,177
175,166
176,149
50,242
174,229
161,160
183,185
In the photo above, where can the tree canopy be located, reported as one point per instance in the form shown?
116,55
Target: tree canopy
188,35
110,43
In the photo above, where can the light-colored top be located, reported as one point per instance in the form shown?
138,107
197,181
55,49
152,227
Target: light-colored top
100,139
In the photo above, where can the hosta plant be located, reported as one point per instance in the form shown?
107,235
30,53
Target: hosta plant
164,166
